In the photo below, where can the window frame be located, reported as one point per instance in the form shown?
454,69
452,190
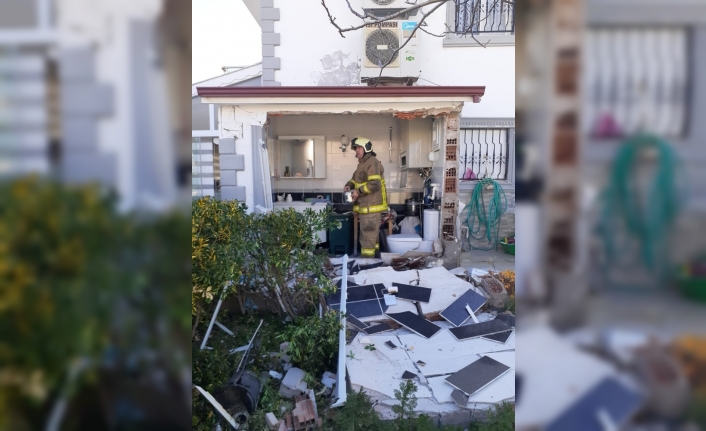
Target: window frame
489,39
492,123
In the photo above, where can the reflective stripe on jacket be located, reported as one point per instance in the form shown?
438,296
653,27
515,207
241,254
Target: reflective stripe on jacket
369,181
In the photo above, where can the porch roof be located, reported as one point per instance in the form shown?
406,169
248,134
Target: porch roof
351,94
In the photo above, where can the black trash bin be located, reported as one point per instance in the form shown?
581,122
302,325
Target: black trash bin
340,241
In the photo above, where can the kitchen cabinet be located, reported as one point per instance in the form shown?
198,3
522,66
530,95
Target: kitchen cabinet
415,143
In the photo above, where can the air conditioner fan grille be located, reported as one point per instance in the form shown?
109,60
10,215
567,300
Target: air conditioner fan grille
383,2
382,38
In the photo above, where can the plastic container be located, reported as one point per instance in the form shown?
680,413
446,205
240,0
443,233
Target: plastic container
340,241
693,287
431,225
508,248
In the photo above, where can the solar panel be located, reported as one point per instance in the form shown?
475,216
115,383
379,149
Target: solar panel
383,327
507,318
414,323
412,293
479,329
456,312
609,395
355,322
477,375
500,337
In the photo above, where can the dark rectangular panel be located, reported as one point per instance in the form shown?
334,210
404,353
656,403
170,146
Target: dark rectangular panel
479,329
477,375
361,309
355,322
459,398
617,400
371,266
383,327
500,337
457,314
414,323
380,290
361,293
412,293
408,375
507,318
391,345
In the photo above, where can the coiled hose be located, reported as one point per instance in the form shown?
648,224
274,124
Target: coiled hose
483,220
646,217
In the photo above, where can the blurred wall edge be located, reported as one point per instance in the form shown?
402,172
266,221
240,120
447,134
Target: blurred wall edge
96,91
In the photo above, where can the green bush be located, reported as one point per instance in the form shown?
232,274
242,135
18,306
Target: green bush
501,419
313,342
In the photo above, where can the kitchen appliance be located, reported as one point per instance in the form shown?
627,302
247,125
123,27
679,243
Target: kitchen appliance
411,206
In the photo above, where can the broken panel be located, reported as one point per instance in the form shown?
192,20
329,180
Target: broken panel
355,322
408,375
507,319
414,323
477,375
457,314
500,337
383,327
459,398
412,293
479,329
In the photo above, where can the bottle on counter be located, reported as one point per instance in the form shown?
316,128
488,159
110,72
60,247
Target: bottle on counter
286,172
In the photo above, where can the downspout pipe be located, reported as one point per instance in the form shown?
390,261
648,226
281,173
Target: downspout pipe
341,374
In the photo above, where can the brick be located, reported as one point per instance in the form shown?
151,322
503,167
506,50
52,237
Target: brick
230,193
271,63
82,168
269,13
228,178
267,26
270,38
226,146
268,51
267,3
232,162
268,75
271,84
79,133
87,99
77,65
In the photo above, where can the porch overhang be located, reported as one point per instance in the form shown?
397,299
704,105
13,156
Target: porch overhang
287,100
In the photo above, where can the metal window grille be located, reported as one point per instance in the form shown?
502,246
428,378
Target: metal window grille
636,80
485,16
483,154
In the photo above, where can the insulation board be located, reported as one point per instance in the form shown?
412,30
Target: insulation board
456,312
477,375
414,323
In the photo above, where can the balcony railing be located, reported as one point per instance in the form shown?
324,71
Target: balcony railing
483,153
484,16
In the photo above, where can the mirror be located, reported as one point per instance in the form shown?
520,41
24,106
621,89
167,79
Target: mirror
301,157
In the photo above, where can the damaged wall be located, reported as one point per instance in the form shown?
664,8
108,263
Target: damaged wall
310,51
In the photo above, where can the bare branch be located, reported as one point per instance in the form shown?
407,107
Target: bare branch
414,31
375,20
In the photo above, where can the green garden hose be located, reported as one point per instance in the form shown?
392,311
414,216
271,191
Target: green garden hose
483,220
645,217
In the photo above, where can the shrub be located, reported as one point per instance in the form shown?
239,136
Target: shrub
313,342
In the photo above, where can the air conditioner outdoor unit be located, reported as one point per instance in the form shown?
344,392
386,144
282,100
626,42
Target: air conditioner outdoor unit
380,41
386,4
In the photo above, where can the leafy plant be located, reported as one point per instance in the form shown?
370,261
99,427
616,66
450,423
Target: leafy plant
356,415
313,341
501,419
218,251
287,271
408,402
370,347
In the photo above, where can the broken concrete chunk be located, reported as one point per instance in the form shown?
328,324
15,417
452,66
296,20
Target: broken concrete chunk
271,421
329,379
496,290
275,375
293,383
283,350
282,426
459,398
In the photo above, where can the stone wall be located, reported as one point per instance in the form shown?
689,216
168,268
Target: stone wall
507,220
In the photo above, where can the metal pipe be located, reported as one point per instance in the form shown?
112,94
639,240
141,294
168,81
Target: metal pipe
390,149
341,375
213,320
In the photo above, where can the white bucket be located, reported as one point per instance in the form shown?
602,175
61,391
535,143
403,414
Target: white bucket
431,225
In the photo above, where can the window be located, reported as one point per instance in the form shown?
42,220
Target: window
205,170
475,22
483,153
636,80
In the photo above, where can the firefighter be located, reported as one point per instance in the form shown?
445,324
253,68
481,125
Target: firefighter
369,194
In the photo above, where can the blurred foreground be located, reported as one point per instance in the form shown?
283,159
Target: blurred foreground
94,263
611,288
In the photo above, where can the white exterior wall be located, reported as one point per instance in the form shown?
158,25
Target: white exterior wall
307,38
